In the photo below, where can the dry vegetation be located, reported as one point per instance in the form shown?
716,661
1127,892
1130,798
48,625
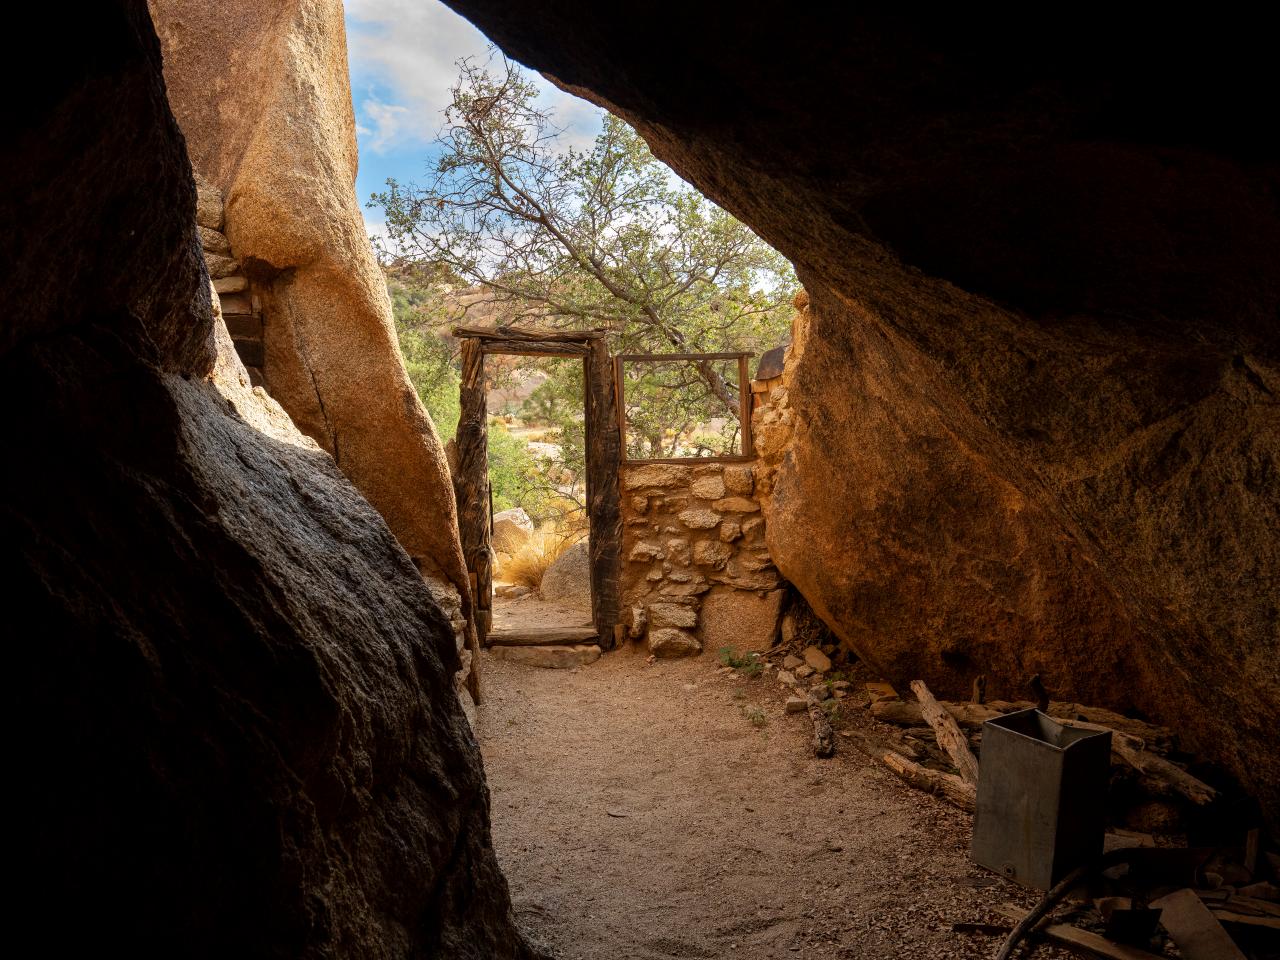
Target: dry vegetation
527,565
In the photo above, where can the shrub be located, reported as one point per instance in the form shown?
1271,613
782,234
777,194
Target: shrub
528,564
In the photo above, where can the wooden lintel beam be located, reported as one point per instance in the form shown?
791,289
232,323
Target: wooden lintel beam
516,334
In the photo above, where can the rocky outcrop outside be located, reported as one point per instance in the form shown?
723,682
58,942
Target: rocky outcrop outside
236,73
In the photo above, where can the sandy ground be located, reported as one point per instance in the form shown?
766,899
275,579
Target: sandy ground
639,812
533,611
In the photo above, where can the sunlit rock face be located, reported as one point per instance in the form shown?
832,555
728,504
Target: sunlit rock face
233,731
263,96
1037,421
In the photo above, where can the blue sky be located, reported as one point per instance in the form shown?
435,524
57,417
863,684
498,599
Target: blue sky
402,55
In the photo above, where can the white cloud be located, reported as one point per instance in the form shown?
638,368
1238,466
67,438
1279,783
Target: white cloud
390,120
409,48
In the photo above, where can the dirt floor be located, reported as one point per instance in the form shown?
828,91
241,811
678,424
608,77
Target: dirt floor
532,611
671,810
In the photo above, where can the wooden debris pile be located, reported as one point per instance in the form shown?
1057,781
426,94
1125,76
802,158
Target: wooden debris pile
1187,874
935,746
1151,903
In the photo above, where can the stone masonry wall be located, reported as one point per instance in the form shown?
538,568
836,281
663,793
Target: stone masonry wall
696,571
241,306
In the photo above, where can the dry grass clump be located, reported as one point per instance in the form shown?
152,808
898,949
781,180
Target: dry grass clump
528,564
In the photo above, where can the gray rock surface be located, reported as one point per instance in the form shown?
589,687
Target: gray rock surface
569,577
672,642
239,733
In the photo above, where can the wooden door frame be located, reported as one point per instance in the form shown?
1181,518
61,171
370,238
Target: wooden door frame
603,452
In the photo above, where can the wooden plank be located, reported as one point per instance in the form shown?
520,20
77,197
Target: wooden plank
528,333
745,446
471,484
1194,929
604,499
878,689
945,785
1271,923
950,737
620,400
1080,939
541,636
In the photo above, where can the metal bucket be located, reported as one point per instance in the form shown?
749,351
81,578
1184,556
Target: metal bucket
1042,791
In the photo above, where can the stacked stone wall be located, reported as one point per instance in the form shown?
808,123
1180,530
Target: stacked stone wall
696,571
241,305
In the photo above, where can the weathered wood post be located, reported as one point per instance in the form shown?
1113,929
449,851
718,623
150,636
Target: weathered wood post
471,485
604,459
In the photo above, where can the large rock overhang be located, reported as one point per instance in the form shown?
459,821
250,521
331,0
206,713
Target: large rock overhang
1039,406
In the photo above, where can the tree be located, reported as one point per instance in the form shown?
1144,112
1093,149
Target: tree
605,237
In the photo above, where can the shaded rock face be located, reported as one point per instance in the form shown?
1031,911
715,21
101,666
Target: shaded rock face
263,95
1036,420
236,732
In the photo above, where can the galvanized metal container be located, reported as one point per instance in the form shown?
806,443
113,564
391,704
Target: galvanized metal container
1042,791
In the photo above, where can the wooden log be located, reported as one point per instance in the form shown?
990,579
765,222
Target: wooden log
1252,840
471,482
824,738
1197,933
901,713
1156,774
974,715
1040,693
541,636
948,731
1081,939
946,786
604,498
527,334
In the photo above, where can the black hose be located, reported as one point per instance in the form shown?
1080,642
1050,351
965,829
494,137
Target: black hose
1056,893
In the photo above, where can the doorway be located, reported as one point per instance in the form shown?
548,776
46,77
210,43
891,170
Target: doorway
603,456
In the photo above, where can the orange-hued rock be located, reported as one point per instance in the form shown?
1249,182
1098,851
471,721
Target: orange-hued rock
262,93
1033,426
